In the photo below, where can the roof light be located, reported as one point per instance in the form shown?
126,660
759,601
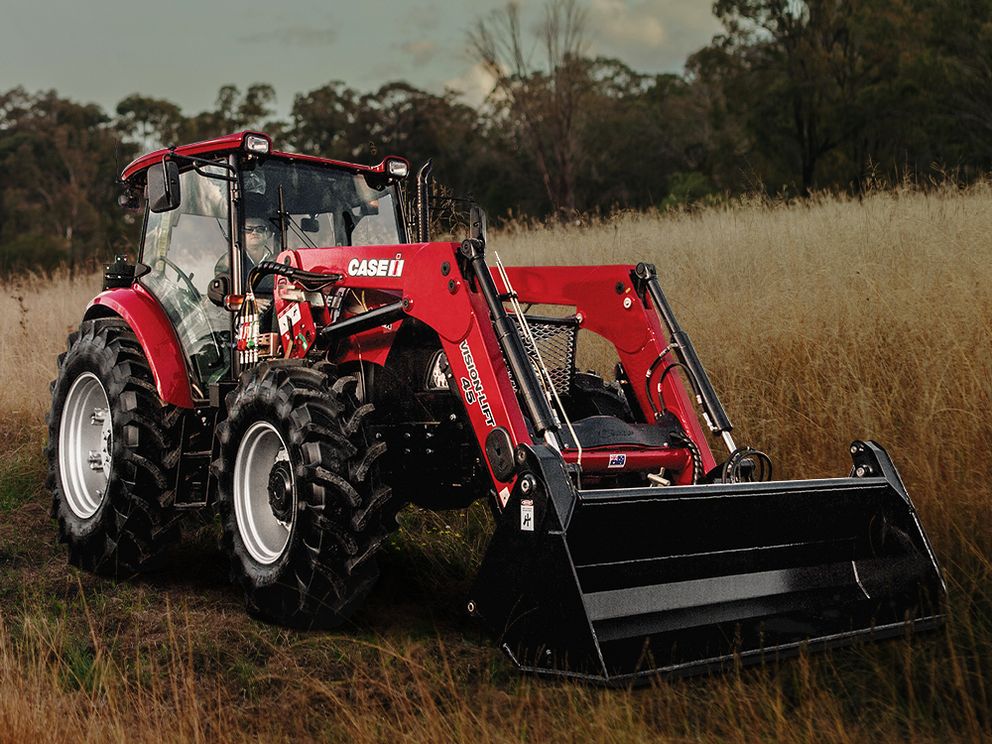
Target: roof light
397,168
257,144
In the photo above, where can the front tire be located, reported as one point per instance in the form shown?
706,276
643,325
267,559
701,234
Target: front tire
113,448
301,507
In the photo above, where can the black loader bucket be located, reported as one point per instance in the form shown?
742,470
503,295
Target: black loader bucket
619,586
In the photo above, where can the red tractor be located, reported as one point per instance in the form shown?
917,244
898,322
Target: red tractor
292,350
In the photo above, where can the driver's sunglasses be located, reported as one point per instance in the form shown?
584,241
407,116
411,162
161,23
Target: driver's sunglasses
256,229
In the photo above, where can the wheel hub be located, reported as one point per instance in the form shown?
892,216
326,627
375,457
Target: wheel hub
281,491
86,443
264,492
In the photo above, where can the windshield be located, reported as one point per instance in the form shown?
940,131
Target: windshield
325,206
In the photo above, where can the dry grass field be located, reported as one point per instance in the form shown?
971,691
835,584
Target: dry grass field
819,323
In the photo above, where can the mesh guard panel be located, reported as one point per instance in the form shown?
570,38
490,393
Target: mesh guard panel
555,339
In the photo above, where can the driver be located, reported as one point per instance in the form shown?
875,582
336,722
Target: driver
258,230
258,241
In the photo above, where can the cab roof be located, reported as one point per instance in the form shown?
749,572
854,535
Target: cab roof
134,173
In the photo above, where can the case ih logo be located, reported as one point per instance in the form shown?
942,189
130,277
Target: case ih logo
472,386
376,266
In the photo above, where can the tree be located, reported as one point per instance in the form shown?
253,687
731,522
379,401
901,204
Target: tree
536,107
819,73
155,122
57,183
635,132
322,121
336,122
957,75
234,112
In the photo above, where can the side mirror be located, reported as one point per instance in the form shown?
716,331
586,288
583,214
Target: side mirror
218,289
163,187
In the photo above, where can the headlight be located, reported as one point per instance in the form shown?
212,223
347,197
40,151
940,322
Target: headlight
397,168
257,144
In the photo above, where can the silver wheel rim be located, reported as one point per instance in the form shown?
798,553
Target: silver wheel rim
264,535
86,441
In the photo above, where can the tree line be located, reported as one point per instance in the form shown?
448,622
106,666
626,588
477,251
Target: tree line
793,96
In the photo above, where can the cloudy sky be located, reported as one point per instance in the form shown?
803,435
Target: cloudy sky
185,50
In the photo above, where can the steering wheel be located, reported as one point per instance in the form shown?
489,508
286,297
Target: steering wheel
187,279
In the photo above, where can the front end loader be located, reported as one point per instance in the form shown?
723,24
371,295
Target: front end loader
309,388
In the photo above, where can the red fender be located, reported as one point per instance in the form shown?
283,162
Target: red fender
150,324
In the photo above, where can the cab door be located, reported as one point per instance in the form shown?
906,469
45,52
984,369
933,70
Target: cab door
184,248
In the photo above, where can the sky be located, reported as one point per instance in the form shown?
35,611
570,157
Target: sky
185,50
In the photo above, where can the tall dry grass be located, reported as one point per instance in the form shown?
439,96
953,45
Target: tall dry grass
829,320
818,323
36,315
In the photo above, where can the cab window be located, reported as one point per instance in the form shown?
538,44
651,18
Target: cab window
183,247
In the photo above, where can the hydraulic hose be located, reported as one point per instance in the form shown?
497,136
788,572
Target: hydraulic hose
646,278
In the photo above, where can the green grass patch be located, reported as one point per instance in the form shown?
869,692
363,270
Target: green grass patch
22,462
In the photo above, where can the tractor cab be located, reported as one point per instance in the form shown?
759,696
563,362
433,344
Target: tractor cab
217,209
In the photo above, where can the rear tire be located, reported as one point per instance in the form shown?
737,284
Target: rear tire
300,503
113,448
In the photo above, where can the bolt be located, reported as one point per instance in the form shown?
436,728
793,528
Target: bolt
471,606
445,268
527,484
452,286
619,288
627,303
407,303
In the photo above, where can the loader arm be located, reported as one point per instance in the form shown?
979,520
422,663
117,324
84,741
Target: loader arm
593,571
608,305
